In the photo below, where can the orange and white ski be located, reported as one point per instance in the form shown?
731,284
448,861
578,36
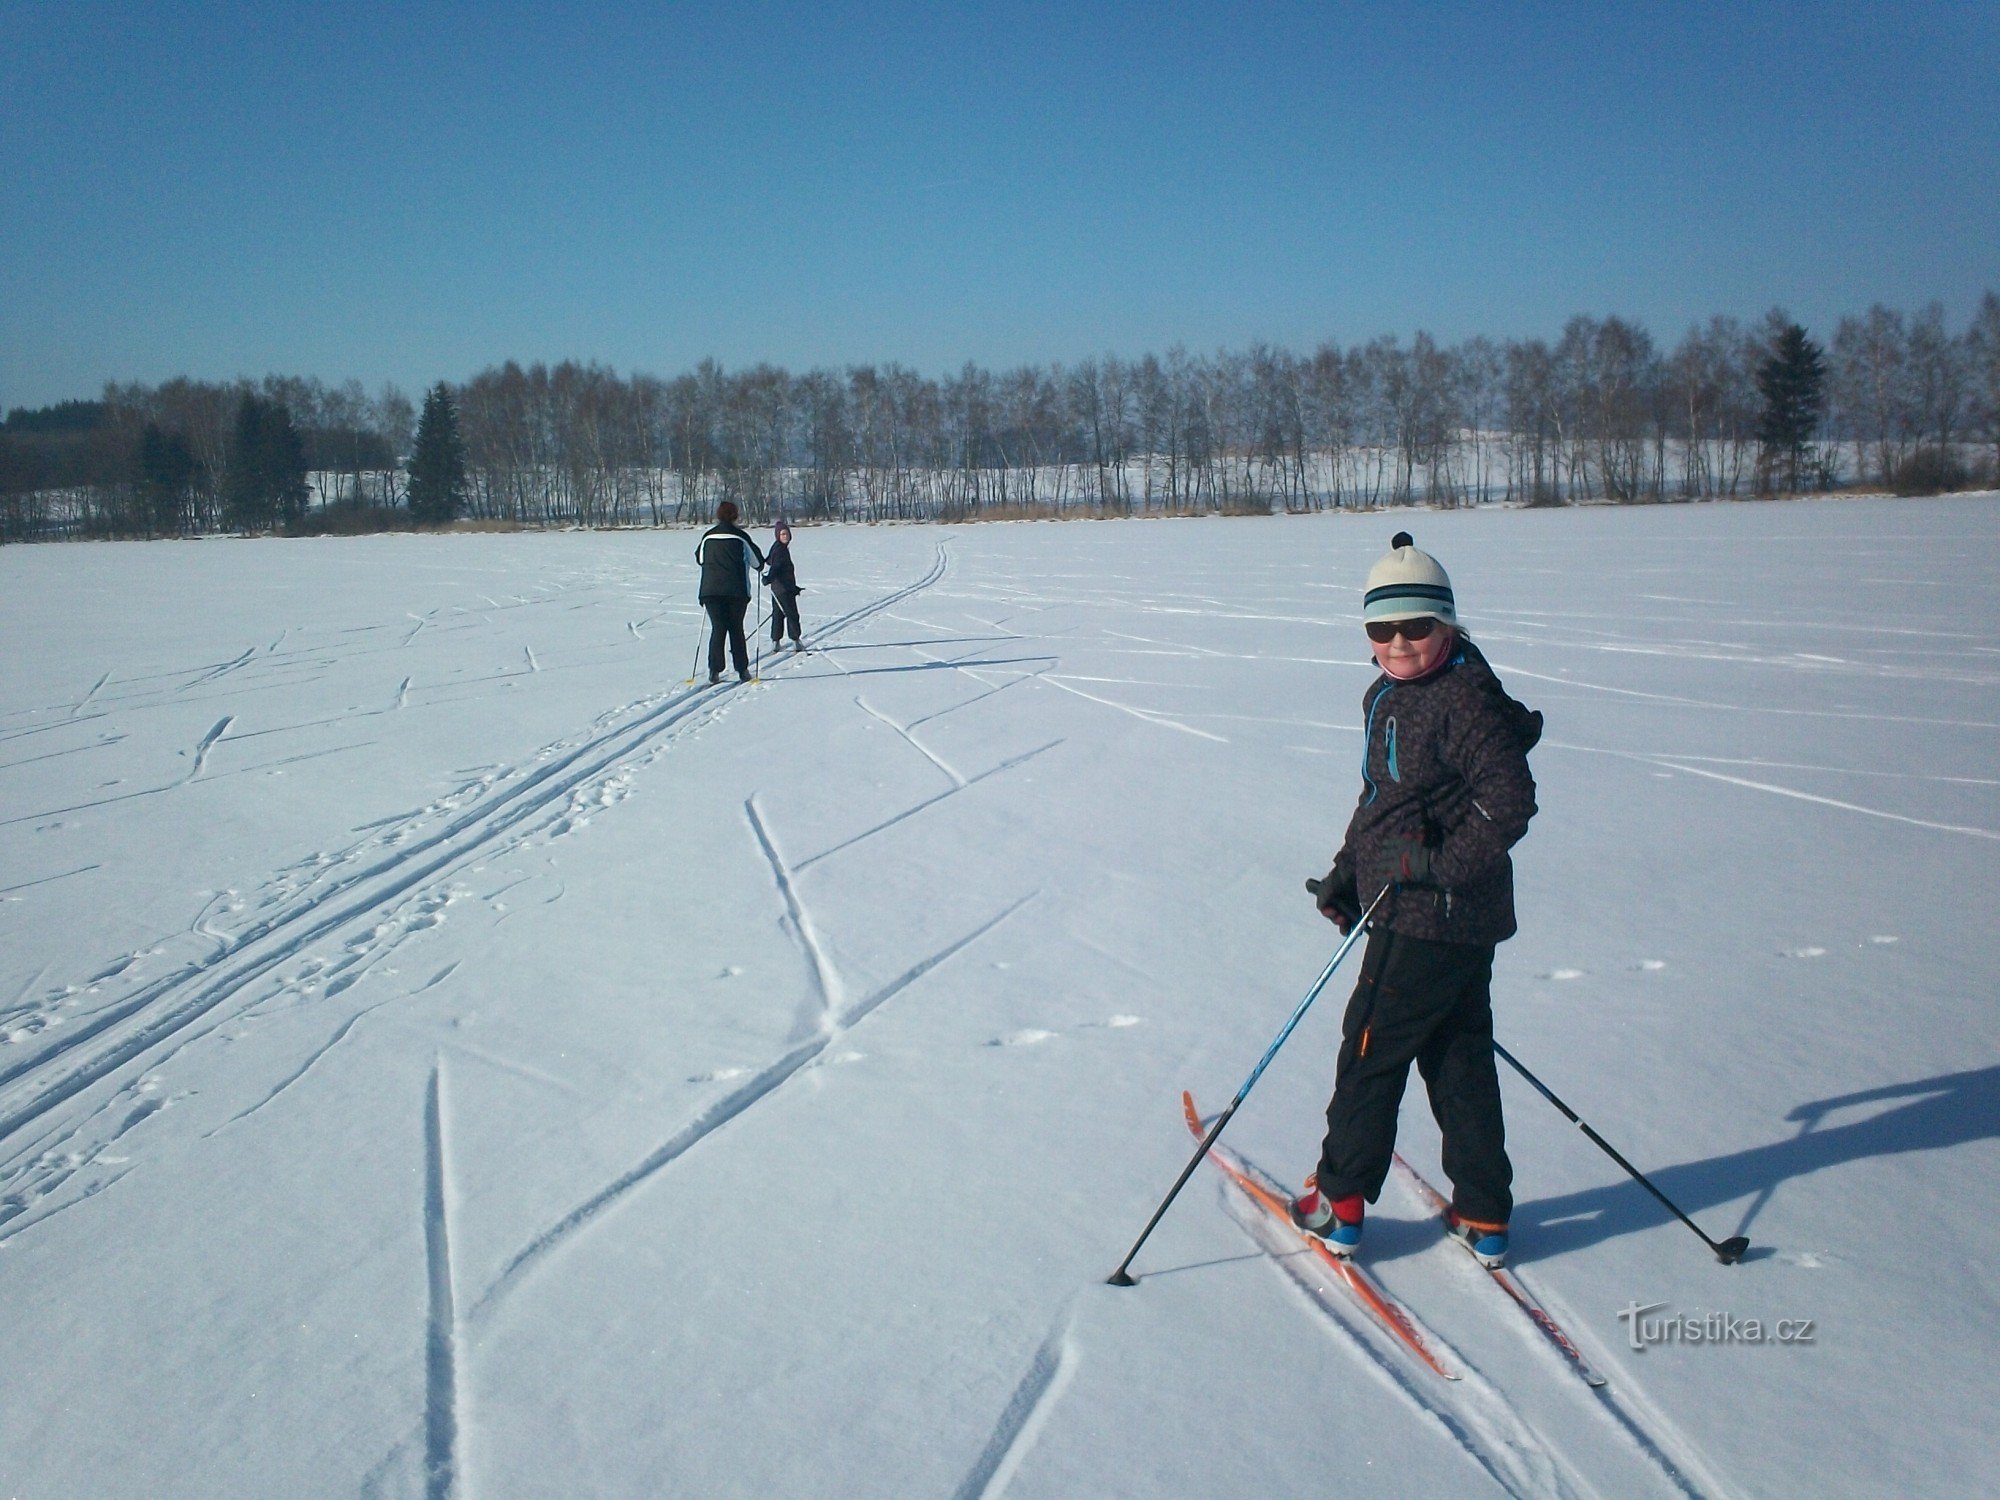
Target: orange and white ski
1364,1288
1507,1281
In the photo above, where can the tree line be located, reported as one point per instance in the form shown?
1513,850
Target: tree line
1601,412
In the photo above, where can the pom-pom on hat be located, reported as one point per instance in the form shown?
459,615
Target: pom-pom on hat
1406,585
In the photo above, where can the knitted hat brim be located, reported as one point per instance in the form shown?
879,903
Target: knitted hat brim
1408,602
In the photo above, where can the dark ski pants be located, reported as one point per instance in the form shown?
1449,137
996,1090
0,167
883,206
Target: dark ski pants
784,615
725,617
1429,1003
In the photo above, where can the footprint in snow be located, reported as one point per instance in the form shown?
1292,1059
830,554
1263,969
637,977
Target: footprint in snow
1649,966
1027,1038
720,1075
1883,939
849,1056
1114,1023
1807,952
1564,974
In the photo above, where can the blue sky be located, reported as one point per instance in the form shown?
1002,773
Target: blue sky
412,192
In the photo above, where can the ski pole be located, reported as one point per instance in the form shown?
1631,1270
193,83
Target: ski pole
694,667
1728,1252
1121,1276
754,676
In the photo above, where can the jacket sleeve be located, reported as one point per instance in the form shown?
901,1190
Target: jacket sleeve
1490,810
1342,876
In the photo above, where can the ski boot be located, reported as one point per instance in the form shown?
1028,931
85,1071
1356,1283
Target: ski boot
1335,1222
1487,1242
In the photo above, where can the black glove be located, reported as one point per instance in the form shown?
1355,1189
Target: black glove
1337,898
1410,856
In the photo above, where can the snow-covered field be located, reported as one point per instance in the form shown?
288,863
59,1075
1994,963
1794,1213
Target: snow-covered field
441,1051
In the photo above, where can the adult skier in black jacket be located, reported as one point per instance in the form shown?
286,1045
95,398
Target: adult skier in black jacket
1445,794
728,561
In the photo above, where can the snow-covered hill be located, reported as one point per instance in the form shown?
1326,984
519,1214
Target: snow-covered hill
441,1050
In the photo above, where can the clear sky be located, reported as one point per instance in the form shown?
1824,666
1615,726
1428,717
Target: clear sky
414,191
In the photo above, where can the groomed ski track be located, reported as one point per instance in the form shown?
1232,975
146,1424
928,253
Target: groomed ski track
359,891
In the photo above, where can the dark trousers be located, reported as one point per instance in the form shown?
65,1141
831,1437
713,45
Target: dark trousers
1429,1003
725,617
784,614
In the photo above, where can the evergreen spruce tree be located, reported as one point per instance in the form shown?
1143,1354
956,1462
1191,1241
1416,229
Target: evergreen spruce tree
437,467
1792,381
285,464
244,505
266,484
167,470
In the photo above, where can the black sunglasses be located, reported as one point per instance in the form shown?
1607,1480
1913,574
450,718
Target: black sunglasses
1381,632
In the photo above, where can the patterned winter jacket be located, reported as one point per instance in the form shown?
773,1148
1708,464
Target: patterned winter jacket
726,556
1446,758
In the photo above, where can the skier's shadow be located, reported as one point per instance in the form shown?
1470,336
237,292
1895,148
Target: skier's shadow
1948,1110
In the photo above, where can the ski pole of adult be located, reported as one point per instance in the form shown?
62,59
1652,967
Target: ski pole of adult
1122,1276
700,638
1728,1251
760,629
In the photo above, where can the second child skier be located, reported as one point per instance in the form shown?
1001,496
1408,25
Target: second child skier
784,580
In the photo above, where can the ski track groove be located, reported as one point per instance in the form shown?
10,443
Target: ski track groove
6,890
1785,791
21,734
339,1036
222,670
766,1082
911,740
168,1006
441,1424
1027,1412
84,701
826,982
28,760
929,802
677,1145
1144,715
208,743
1013,681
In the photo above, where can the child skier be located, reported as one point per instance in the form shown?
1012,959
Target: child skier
1445,793
784,581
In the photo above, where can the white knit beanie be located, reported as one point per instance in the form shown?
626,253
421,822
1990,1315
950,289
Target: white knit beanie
1406,585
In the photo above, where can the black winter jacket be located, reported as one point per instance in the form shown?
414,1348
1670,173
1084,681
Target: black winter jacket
726,555
778,569
1446,759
